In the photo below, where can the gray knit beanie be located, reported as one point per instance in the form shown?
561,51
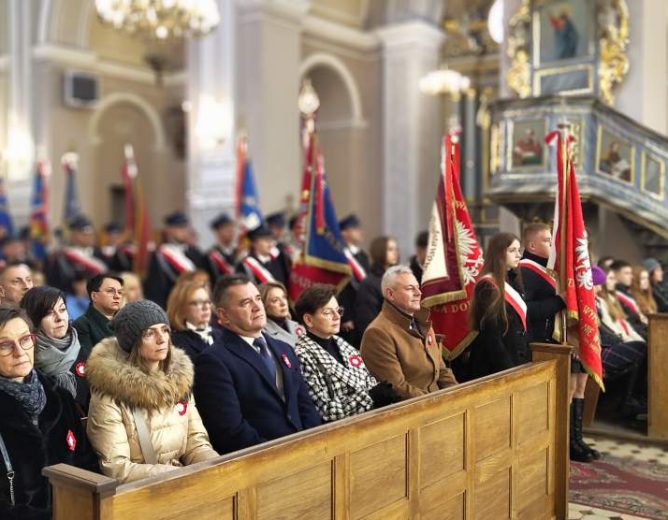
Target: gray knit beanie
650,264
133,319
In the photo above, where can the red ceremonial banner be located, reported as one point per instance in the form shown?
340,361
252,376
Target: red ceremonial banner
570,258
454,258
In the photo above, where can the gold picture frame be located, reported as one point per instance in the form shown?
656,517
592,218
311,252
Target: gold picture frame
618,163
525,147
645,160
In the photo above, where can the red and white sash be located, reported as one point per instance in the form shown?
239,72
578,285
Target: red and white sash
258,270
628,301
177,258
358,271
219,261
89,263
513,298
540,271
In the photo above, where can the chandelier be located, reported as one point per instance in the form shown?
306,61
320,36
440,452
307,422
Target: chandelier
160,19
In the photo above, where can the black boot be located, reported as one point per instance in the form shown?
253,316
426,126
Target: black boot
578,406
577,452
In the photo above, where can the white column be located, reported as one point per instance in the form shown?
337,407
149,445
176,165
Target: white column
269,56
211,94
411,128
642,94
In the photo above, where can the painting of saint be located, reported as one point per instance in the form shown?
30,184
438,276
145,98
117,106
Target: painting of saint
565,34
564,30
615,157
527,150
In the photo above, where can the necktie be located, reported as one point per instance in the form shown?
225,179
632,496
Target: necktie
266,357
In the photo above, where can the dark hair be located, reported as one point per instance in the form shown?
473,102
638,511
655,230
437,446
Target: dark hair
224,283
531,230
39,301
422,239
619,264
378,252
313,298
495,265
94,284
10,312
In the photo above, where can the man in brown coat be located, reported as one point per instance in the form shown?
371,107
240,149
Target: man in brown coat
400,346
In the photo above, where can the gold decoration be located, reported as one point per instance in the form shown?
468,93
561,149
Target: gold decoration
613,34
519,39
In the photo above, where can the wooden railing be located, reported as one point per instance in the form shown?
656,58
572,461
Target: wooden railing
657,377
490,449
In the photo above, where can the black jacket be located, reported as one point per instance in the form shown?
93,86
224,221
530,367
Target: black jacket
493,350
161,276
279,267
660,292
31,448
191,342
631,316
347,297
543,303
369,300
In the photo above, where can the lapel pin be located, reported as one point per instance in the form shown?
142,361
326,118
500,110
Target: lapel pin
286,360
182,407
355,361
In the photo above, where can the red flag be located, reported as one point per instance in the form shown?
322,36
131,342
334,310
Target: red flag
454,258
570,257
136,217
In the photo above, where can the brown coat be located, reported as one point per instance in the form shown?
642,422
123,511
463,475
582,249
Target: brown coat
410,360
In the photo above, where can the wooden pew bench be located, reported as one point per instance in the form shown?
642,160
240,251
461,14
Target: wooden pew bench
491,449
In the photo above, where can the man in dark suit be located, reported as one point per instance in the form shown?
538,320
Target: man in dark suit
248,386
265,262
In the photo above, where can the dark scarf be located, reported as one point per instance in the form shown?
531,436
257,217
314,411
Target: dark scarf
30,394
329,345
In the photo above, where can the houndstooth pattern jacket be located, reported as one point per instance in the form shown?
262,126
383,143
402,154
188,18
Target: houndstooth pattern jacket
338,391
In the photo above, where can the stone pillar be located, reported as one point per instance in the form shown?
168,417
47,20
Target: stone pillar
642,94
211,92
411,128
468,166
268,59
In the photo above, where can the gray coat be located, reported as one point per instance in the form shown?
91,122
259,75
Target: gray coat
277,332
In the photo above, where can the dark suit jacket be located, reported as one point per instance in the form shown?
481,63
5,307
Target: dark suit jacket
92,327
239,404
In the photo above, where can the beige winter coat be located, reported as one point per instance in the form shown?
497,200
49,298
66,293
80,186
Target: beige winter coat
163,399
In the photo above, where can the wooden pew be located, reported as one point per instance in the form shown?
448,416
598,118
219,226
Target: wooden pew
657,377
490,449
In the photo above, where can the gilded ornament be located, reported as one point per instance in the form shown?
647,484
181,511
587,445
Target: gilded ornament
613,34
519,39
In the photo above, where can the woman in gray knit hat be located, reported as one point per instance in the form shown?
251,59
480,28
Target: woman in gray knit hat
142,420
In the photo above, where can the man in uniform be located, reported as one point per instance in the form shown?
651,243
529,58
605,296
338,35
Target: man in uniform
171,259
222,257
263,263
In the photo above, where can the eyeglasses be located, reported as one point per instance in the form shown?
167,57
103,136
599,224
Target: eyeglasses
330,313
25,342
113,292
200,303
153,334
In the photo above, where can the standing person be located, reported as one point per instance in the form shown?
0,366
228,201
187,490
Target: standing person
659,289
113,252
498,311
172,258
189,311
400,346
58,353
77,301
132,288
353,236
543,304
222,257
279,325
369,299
417,260
16,279
338,381
264,262
142,421
106,294
249,386
40,424
79,257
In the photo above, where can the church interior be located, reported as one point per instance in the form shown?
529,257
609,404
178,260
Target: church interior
391,78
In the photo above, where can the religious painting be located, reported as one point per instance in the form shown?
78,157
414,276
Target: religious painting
653,175
527,142
614,156
564,29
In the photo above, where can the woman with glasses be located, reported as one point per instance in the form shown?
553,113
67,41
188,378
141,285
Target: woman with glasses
337,379
189,312
279,325
40,424
142,420
58,353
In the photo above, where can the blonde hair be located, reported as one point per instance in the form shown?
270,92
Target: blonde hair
644,297
179,300
129,278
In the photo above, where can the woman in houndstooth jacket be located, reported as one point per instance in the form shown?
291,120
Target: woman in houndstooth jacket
338,381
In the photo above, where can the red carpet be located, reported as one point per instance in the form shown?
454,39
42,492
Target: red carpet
622,484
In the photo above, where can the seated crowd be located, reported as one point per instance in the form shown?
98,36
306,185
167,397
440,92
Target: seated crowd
135,387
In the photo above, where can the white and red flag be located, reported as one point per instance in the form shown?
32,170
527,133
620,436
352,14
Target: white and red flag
569,257
454,258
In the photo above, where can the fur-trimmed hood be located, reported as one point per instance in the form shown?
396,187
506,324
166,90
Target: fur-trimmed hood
109,373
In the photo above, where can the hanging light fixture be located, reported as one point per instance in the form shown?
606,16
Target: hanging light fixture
160,19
